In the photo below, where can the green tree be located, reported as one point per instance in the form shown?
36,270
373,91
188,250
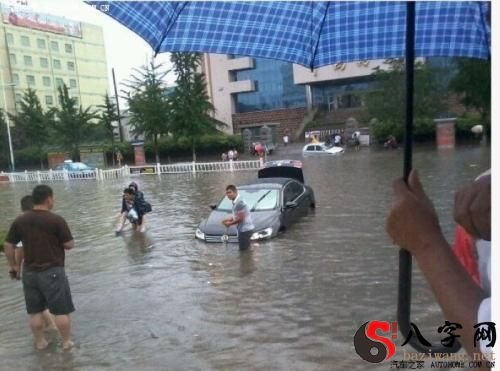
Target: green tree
31,124
387,102
191,106
72,123
473,83
148,104
107,117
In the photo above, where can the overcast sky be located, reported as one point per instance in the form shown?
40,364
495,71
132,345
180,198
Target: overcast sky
124,49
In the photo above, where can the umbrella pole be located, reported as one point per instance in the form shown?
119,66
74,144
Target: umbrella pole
405,259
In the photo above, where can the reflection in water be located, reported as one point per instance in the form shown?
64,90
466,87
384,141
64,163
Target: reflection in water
138,246
163,300
247,261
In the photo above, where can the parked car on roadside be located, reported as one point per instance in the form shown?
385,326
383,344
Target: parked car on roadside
74,166
321,149
76,169
277,199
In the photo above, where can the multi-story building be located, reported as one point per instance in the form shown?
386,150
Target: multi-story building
42,52
248,93
252,92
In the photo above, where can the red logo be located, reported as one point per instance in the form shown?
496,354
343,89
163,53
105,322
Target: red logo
373,341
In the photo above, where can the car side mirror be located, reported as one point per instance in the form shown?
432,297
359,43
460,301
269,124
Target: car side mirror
291,205
213,206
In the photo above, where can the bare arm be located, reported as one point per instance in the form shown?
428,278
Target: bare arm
121,221
10,254
473,208
457,294
240,217
19,255
69,245
413,225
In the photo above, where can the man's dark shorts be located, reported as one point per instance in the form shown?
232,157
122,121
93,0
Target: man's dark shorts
47,289
244,239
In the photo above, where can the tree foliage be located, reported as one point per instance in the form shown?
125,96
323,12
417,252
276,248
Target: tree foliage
148,104
387,102
32,124
72,123
108,115
473,84
190,103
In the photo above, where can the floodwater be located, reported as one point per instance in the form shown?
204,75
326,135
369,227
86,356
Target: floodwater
164,301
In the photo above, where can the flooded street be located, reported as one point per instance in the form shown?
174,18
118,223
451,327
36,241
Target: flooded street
165,301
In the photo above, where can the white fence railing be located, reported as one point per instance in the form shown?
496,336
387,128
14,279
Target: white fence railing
125,171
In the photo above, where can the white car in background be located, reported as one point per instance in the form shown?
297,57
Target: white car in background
321,149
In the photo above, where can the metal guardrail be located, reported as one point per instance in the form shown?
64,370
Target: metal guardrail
126,171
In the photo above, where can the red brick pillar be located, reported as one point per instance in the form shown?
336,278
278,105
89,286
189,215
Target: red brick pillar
139,155
445,133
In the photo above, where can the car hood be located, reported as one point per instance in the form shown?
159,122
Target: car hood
261,220
334,150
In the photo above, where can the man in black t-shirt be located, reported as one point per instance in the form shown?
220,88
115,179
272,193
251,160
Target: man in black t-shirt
27,205
45,237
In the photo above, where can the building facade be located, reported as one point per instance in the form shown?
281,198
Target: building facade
248,93
41,52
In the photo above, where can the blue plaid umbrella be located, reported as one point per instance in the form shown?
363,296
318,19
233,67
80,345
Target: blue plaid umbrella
316,34
312,34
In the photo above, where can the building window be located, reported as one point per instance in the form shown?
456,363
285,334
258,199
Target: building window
68,48
57,64
15,78
30,79
46,81
72,83
274,87
44,62
77,101
40,43
348,101
13,59
49,100
25,41
28,61
71,66
54,45
59,82
10,39
19,98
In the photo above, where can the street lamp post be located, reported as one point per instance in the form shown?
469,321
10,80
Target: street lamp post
7,122
117,106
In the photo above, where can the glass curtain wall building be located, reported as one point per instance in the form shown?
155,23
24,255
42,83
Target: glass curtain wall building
274,87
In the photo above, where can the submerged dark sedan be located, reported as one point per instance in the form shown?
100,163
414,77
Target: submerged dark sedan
276,200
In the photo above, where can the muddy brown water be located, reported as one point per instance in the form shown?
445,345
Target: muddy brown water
164,301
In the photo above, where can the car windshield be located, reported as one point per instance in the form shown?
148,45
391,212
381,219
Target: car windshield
256,199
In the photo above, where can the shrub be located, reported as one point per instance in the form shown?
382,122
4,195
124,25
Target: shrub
208,144
465,123
382,130
424,129
29,157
